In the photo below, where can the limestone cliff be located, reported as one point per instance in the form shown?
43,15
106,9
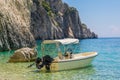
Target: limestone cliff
53,19
24,21
86,33
15,24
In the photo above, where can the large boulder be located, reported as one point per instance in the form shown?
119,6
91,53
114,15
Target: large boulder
24,55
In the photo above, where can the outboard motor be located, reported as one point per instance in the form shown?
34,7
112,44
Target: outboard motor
39,63
45,61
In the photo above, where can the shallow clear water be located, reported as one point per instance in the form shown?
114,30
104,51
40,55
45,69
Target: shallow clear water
106,66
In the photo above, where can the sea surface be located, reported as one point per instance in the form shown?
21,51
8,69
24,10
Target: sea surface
106,66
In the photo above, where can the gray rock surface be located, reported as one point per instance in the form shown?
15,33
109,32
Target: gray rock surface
24,21
54,19
86,33
15,25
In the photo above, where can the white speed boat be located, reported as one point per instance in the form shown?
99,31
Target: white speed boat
72,60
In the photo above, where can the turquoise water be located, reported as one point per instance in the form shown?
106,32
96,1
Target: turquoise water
106,66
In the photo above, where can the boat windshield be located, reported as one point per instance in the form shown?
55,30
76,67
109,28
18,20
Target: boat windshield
52,48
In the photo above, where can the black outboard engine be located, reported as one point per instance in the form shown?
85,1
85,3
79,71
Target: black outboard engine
45,61
39,63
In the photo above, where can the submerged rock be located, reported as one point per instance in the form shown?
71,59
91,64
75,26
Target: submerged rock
23,55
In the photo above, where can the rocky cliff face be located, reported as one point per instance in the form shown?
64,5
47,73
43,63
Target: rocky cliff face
23,21
15,25
54,19
86,33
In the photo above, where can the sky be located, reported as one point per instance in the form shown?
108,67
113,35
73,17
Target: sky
101,16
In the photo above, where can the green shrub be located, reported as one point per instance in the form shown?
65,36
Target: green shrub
46,6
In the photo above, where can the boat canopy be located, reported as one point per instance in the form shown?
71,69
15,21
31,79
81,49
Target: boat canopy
65,41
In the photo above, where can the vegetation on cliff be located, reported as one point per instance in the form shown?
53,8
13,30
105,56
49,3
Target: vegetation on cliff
47,8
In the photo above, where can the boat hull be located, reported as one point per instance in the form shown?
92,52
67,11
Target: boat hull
79,61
